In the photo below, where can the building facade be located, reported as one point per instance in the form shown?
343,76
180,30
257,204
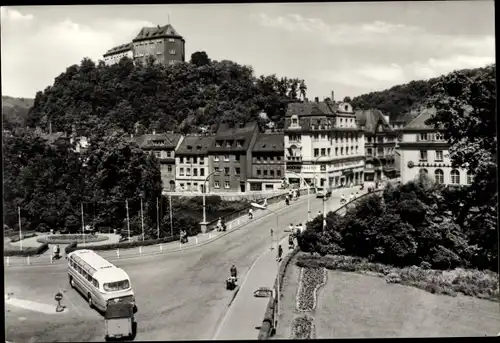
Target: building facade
163,43
380,144
163,146
324,147
192,163
230,156
267,168
115,54
397,124
425,151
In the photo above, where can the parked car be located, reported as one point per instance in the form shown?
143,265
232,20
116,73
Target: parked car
323,193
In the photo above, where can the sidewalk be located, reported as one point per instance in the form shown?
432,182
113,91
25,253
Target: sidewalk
200,239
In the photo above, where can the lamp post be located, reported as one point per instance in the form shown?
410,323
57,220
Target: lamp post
308,196
20,230
204,222
142,215
261,207
324,196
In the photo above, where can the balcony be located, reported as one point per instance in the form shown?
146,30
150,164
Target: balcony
293,158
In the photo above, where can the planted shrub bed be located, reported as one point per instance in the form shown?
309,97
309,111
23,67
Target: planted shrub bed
303,327
65,239
25,236
311,279
27,251
125,245
475,283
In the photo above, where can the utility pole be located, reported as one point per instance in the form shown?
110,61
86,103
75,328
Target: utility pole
20,230
83,224
142,221
171,220
128,221
157,217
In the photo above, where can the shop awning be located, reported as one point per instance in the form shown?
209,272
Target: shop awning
347,172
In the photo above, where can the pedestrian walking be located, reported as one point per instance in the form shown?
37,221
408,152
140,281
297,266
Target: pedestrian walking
250,213
280,252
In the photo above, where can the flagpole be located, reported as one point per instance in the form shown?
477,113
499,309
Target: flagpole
20,230
142,221
83,225
171,221
157,218
128,221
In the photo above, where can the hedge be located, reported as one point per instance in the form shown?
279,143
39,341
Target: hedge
27,235
267,327
27,251
124,245
65,239
70,246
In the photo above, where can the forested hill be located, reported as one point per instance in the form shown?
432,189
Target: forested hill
180,97
14,111
402,99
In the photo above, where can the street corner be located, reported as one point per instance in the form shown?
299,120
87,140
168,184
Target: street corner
12,304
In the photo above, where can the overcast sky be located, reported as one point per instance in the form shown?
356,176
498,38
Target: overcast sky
350,48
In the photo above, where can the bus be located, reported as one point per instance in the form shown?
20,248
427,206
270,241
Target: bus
98,280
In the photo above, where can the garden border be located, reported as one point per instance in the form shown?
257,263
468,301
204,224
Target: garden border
88,239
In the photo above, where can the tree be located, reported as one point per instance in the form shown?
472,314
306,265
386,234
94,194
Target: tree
347,99
200,58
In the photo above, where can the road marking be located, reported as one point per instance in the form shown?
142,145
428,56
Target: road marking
241,286
32,305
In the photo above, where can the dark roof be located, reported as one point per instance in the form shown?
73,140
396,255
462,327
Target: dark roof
269,142
146,141
195,145
157,32
311,108
118,49
419,122
235,133
404,117
368,119
119,310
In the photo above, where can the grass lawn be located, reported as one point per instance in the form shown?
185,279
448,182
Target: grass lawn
353,305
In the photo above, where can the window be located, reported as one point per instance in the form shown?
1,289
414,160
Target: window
237,171
423,137
167,153
171,51
256,186
217,169
188,171
423,155
439,155
227,184
181,159
216,158
171,40
347,150
236,157
195,172
259,172
226,158
226,171
329,151
157,154
181,171
169,168
202,160
188,160
336,151
195,160
116,286
278,158
216,184
239,143
265,172
439,176
342,151
470,178
455,177
218,144
357,149
271,173
316,152
323,151
368,139
202,172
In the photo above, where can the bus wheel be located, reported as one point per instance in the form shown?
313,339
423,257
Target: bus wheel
71,282
91,303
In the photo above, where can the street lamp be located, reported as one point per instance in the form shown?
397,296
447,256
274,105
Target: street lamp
324,195
308,196
204,222
261,207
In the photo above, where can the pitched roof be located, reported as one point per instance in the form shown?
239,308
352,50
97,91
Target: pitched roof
195,145
419,122
404,117
269,142
146,141
311,108
118,49
157,32
226,133
368,119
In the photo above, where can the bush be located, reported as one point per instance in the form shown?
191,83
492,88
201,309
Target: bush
28,251
302,328
126,245
70,247
25,236
64,239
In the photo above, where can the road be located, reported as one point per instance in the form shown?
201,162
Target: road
180,296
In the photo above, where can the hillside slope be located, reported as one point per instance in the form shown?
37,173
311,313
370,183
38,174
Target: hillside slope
14,111
401,99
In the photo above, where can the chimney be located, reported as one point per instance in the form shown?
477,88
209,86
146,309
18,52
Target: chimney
316,99
333,99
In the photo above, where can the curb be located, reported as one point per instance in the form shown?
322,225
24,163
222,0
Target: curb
168,251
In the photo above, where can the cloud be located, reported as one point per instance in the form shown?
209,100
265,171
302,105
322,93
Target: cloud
33,55
12,15
436,67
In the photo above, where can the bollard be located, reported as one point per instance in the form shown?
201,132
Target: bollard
51,258
196,240
230,225
180,246
8,261
161,248
28,260
238,222
210,235
140,250
118,253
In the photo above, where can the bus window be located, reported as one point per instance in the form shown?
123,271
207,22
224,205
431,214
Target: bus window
116,286
95,283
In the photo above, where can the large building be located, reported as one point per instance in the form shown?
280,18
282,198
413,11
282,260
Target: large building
230,156
267,170
380,143
425,151
192,163
162,42
323,144
163,146
398,123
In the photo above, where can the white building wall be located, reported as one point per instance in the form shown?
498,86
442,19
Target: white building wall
184,174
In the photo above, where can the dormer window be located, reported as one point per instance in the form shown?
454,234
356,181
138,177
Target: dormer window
239,143
198,147
294,121
229,144
346,108
189,147
218,144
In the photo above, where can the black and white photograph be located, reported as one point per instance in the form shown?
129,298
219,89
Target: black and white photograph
249,171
